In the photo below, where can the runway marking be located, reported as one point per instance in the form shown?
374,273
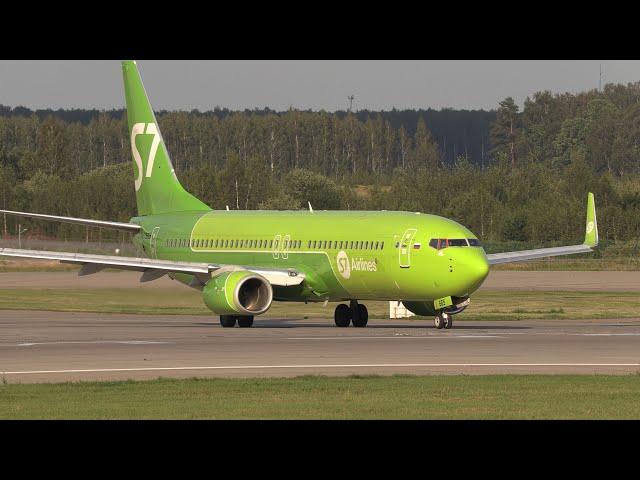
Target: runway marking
428,337
124,342
361,365
608,334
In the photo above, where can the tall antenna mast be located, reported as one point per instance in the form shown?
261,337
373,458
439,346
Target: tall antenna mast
351,97
600,83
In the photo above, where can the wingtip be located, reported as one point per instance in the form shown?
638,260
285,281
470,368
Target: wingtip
591,234
128,63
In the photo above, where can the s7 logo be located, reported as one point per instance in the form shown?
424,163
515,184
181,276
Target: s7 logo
139,129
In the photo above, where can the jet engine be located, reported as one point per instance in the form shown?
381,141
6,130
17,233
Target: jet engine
238,292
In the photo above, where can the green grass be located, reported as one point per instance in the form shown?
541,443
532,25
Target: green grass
313,397
485,305
16,266
524,305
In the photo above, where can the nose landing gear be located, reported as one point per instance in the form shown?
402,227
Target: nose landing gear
355,313
443,320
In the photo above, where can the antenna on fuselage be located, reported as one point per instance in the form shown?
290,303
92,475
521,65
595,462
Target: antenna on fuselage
310,207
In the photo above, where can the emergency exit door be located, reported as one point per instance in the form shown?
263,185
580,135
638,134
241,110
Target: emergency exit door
153,241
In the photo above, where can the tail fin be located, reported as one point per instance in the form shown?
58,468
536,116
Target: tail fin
157,187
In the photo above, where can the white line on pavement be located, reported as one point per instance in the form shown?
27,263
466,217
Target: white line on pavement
125,342
361,365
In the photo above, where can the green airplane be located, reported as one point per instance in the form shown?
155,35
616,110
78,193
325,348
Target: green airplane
242,261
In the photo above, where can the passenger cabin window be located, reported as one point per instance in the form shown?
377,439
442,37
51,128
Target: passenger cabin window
474,242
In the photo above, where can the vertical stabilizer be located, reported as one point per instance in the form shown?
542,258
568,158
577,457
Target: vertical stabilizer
157,187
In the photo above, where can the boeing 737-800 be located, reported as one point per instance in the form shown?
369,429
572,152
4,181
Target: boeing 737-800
242,261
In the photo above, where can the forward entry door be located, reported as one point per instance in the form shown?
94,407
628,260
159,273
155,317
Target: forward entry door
404,247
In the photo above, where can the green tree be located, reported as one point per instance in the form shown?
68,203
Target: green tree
505,130
306,186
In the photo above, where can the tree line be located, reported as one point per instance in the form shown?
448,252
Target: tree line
513,175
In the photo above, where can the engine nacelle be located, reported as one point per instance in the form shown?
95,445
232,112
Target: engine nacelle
238,293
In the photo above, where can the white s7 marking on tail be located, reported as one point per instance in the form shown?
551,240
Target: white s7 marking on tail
152,130
139,129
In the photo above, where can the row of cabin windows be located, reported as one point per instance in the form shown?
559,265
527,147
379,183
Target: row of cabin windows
220,243
270,244
345,244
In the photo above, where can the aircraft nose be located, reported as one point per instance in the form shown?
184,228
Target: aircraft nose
479,269
476,268
482,267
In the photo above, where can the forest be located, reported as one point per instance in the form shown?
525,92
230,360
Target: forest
510,174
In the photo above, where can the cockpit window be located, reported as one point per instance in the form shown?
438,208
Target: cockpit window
474,242
458,242
440,243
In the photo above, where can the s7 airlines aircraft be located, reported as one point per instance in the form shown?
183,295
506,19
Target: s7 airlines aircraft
244,260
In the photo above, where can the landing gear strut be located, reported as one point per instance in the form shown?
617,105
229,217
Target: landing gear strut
354,313
229,321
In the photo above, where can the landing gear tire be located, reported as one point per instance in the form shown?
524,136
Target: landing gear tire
342,315
245,322
448,323
362,318
439,322
228,321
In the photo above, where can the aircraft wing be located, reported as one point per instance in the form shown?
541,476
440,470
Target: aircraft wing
127,227
152,269
590,242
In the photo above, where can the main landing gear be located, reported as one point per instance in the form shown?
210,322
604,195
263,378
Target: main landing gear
355,313
443,320
229,321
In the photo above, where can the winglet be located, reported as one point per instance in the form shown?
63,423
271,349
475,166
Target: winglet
591,234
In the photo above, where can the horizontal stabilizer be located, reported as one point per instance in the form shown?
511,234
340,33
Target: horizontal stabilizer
127,227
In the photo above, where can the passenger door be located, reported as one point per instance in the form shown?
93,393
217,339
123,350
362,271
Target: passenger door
404,248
